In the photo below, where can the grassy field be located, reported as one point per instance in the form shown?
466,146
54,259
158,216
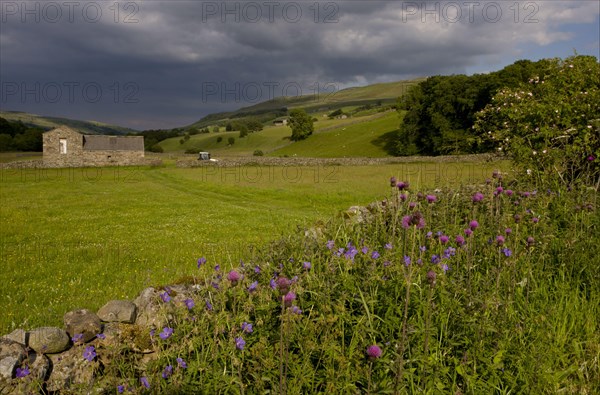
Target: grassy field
364,136
74,238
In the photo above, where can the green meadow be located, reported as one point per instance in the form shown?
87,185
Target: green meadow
78,237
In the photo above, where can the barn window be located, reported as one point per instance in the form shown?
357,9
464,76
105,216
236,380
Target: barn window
63,145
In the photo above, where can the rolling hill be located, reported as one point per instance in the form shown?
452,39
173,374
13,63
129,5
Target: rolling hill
47,123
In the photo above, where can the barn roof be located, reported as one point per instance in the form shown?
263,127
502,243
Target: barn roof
113,143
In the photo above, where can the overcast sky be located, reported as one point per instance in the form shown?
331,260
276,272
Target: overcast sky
164,64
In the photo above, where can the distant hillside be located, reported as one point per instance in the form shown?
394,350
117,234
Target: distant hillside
384,93
47,123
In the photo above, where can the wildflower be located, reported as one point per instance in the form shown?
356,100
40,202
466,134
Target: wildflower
330,244
165,297
375,255
406,260
445,268
468,232
535,220
24,372
498,191
435,259
201,261
89,353
449,252
296,310
252,287
429,235
444,239
101,336
402,185
517,218
77,337
388,246
431,277
217,268
459,240
247,327
477,197
306,265
144,381
509,192
289,298
393,182
415,219
373,352
364,250
431,198
189,303
182,364
500,240
412,205
234,277
591,158
530,241
473,224
422,248
351,253
209,306
239,343
168,371
257,269
166,333
120,388
508,231
403,197
386,263
272,284
283,284
507,252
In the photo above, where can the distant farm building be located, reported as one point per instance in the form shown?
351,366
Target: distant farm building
280,122
64,146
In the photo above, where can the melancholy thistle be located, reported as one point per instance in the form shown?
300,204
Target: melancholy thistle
460,241
477,197
289,298
415,219
234,277
393,182
444,239
89,353
473,224
530,241
283,284
373,352
431,278
500,240
402,185
431,198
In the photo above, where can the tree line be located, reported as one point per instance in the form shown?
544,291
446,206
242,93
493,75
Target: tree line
16,136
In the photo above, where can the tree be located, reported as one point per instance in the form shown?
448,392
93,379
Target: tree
231,140
551,123
301,124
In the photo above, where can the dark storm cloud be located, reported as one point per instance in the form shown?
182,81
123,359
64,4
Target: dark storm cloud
153,64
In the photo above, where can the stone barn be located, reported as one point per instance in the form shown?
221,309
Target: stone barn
65,147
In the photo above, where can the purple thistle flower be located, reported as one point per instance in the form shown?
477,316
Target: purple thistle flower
253,286
591,158
144,381
77,337
403,197
530,241
459,240
386,263
468,232
525,194
209,306
412,205
415,219
373,352
201,262
500,240
89,353
330,244
431,198
296,310
393,182
509,192
166,333
508,231
402,185
189,303
283,284
165,297
168,371
444,239
306,265
239,343
473,224
24,372
406,260
247,327
517,218
234,277
375,255
499,190
431,277
289,298
507,252
477,197
182,364
535,220
406,221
